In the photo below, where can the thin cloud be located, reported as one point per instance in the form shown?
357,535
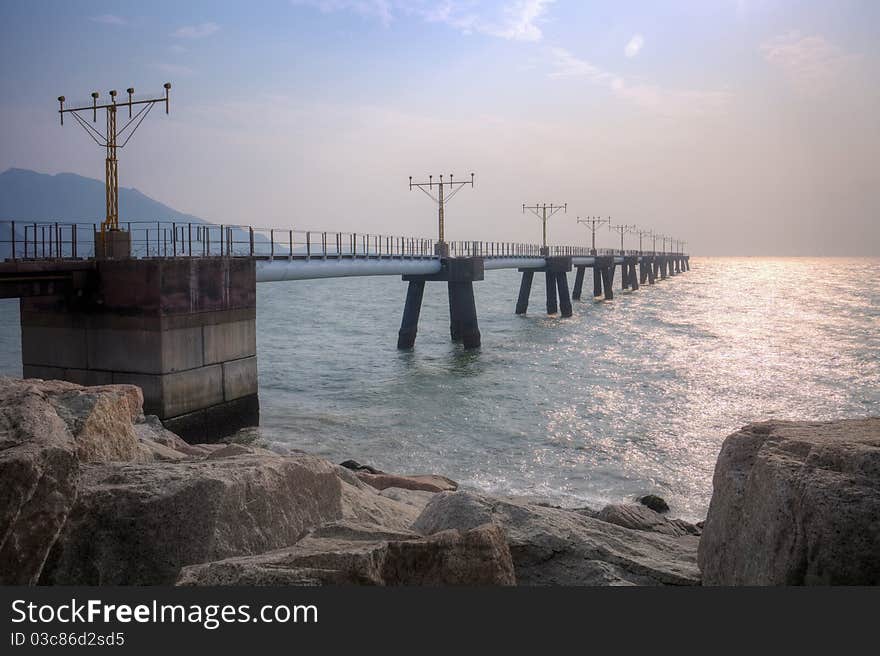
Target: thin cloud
199,31
109,19
811,63
670,102
516,21
634,47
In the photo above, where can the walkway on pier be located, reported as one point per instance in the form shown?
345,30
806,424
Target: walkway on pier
174,311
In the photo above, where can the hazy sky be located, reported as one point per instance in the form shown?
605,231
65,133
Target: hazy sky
744,127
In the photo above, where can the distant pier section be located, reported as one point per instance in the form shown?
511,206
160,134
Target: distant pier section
172,307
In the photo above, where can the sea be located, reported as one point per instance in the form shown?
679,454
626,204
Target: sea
627,397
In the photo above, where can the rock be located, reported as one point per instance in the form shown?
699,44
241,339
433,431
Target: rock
39,473
99,418
795,503
642,518
150,429
551,546
150,451
354,465
231,450
345,553
138,524
655,503
415,499
426,482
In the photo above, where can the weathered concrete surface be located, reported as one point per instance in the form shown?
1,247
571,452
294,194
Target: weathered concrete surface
552,546
348,553
183,330
795,503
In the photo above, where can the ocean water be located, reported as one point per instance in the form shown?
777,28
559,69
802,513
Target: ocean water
626,397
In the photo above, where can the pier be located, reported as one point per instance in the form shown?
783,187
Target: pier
174,310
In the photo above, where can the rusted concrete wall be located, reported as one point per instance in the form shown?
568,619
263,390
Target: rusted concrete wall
183,330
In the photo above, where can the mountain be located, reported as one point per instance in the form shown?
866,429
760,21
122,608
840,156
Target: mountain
27,196
70,198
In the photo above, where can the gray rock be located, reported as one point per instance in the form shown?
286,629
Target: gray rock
642,518
39,473
654,502
425,482
99,418
138,524
553,546
346,553
150,431
795,503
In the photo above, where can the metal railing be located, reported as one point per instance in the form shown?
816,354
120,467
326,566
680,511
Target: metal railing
39,240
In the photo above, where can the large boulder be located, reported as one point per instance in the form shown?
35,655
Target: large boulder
350,553
39,473
795,503
553,546
138,524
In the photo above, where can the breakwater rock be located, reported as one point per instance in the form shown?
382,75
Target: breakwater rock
93,492
795,503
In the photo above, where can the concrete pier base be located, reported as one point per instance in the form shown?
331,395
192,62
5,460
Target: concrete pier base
112,244
597,281
459,273
183,330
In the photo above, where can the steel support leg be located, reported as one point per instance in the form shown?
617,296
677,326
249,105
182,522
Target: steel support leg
525,289
564,298
409,326
550,280
463,311
578,284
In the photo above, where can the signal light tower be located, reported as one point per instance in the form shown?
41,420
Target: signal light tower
441,248
113,242
540,210
592,223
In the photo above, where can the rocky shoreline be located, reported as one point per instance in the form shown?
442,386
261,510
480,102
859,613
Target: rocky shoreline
95,493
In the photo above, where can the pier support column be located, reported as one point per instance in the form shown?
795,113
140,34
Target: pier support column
564,298
687,263
550,280
183,330
463,314
624,275
459,274
663,269
597,281
578,284
608,282
651,273
633,276
606,266
643,272
409,326
525,289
